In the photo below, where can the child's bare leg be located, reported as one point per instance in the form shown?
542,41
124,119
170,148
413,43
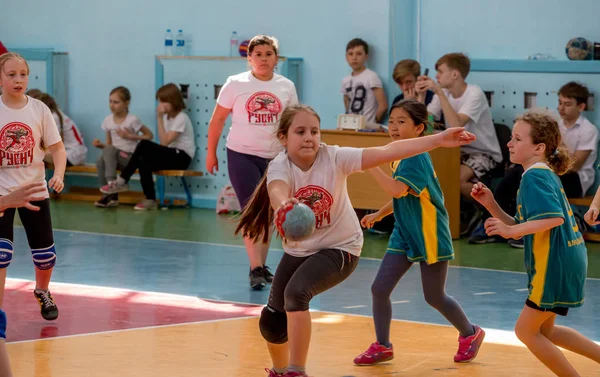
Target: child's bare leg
280,355
570,339
299,332
528,330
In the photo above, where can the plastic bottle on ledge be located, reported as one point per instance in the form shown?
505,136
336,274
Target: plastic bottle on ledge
168,43
180,43
234,45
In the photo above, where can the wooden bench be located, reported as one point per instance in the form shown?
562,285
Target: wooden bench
586,202
90,169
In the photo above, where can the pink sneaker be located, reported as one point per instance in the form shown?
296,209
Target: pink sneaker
272,373
374,355
469,346
113,187
293,373
146,205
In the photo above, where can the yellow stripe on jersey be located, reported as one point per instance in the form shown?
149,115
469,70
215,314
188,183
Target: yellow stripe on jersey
541,252
429,226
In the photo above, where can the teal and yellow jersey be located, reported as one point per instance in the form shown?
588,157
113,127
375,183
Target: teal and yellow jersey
421,229
555,259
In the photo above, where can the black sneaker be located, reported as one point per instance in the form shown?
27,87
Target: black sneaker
517,244
47,305
108,201
268,274
257,279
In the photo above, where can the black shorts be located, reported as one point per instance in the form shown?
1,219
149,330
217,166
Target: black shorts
37,224
559,310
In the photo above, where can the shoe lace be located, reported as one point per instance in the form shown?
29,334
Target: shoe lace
372,349
463,345
46,299
267,270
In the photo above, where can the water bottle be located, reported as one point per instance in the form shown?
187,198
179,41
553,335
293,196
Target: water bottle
168,43
180,43
233,45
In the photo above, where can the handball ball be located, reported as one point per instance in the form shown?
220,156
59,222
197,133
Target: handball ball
579,49
295,222
244,48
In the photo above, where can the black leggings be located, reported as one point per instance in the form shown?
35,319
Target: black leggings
149,157
433,277
245,173
298,279
37,224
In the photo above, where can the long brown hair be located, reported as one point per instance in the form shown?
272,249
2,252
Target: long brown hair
49,101
258,215
544,130
170,93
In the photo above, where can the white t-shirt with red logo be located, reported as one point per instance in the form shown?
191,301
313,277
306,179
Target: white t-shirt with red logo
256,108
131,124
21,133
72,138
324,189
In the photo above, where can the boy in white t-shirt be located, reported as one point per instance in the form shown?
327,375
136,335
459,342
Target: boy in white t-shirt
581,138
362,89
27,129
463,105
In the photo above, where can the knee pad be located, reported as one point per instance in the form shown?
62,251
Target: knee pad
44,259
2,324
273,325
6,252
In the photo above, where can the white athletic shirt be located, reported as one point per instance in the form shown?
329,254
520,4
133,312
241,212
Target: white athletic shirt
256,108
473,104
324,189
21,133
131,124
182,124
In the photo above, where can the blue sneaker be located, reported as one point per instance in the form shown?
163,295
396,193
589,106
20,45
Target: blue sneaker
479,236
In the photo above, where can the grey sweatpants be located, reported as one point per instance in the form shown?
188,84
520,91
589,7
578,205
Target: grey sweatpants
108,163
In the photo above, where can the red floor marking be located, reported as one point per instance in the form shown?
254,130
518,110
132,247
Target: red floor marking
87,309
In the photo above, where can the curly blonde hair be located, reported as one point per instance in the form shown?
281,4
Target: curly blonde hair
544,130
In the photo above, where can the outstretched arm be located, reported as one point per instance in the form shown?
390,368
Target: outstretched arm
399,149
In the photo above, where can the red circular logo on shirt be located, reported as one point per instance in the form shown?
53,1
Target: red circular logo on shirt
263,108
16,138
317,198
